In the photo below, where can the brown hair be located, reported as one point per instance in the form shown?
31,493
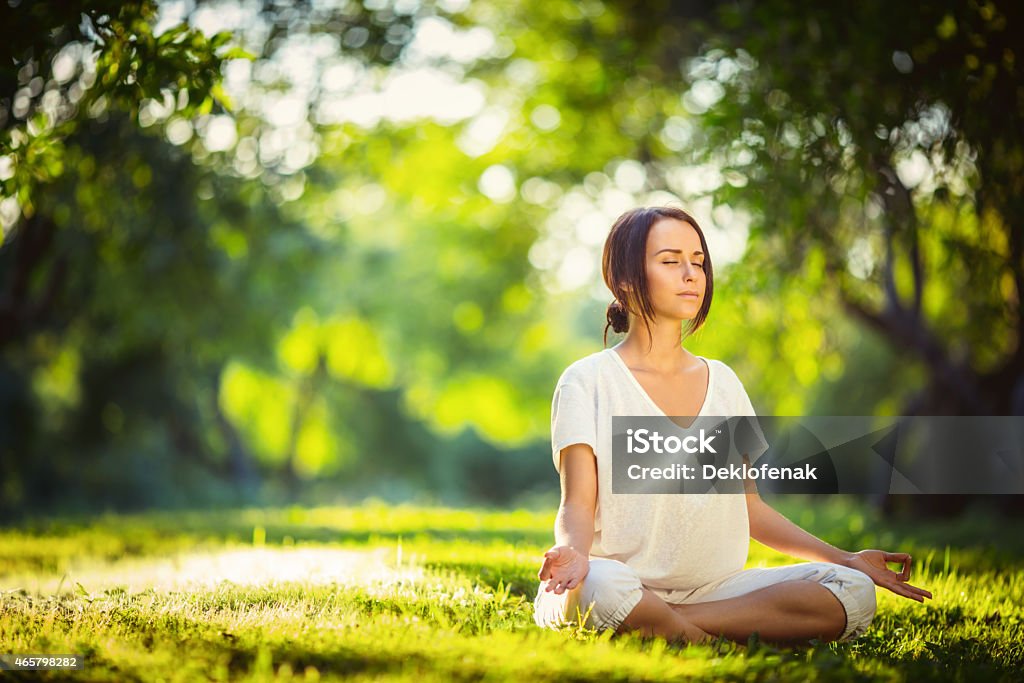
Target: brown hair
625,263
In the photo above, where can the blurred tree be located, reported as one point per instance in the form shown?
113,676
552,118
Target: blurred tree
104,240
67,64
70,61
170,319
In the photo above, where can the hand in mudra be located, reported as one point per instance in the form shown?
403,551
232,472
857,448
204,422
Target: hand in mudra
564,569
874,564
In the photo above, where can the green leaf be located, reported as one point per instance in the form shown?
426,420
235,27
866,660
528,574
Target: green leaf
218,93
236,52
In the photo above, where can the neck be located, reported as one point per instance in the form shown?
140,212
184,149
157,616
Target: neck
658,350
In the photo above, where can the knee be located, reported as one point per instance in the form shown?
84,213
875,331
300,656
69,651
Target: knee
857,593
610,590
607,594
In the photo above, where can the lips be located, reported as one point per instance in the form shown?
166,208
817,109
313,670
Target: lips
693,294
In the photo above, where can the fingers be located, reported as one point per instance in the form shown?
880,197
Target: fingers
570,583
563,584
908,591
902,590
904,559
560,581
919,591
897,581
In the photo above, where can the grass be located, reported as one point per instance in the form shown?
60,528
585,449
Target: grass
407,593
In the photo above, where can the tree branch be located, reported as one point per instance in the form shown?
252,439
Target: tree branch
899,217
905,330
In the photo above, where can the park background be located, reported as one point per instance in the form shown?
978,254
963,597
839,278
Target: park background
289,274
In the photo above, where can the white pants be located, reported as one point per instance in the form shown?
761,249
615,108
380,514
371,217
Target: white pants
611,590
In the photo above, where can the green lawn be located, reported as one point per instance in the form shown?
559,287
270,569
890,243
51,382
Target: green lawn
414,593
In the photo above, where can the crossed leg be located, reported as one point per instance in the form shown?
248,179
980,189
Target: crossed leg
786,612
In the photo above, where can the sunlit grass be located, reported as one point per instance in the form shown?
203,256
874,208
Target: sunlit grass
407,592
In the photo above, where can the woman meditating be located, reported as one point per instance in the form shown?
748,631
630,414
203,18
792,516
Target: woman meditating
672,565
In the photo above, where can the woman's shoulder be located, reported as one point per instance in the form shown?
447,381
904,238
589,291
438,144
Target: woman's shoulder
724,373
731,390
584,371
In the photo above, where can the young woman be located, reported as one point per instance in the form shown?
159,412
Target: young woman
672,565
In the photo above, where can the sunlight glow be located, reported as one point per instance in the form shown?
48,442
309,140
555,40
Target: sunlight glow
436,38
243,566
568,253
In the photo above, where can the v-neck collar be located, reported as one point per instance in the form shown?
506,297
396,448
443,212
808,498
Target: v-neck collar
643,392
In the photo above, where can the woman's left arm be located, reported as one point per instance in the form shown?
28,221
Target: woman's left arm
769,527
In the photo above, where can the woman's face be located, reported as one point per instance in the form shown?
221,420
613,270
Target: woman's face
675,268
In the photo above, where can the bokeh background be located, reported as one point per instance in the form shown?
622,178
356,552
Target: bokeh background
278,252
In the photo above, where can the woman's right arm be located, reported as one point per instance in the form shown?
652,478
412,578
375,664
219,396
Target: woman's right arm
567,562
574,525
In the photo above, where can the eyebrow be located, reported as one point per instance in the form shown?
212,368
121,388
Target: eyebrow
680,251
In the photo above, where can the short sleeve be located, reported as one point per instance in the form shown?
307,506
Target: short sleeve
573,418
748,436
741,401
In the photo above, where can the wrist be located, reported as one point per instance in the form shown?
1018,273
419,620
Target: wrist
845,558
578,547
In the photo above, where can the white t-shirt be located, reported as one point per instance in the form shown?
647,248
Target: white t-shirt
673,541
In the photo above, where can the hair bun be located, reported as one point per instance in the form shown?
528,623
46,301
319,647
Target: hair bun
618,317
